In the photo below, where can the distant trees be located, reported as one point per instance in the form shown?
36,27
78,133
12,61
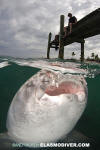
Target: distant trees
97,58
94,57
73,54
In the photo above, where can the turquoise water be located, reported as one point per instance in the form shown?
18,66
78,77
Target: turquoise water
12,76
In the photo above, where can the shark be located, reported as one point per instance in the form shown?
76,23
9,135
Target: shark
46,108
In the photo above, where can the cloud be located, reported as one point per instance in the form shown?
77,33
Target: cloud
24,25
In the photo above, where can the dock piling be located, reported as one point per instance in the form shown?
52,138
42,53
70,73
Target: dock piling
82,50
61,43
48,48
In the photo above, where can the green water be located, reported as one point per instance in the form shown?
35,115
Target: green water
11,79
89,124
13,76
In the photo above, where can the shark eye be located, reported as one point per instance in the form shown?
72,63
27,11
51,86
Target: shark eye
30,84
45,80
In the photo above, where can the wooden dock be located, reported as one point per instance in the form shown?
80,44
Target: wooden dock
86,27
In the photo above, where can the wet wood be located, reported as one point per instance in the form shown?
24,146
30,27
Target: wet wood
48,48
61,41
82,51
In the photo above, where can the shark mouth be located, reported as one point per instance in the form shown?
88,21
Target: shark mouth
67,87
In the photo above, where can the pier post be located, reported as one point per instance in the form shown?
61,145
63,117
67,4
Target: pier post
82,50
61,43
48,48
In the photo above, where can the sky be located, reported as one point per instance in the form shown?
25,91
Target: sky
25,25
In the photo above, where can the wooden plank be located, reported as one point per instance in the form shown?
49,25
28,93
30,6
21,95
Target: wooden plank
85,28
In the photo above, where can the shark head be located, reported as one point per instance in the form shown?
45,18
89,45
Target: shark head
46,107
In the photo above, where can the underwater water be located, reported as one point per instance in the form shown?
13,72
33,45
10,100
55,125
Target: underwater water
14,72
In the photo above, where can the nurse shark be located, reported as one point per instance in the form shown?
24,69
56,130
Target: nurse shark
46,108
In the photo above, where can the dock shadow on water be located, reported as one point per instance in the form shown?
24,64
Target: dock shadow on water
49,101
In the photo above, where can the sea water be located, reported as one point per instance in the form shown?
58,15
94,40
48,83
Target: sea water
15,71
